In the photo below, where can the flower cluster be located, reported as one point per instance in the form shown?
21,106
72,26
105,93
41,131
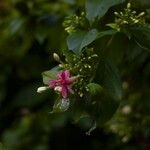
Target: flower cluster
74,75
128,17
63,84
74,22
84,67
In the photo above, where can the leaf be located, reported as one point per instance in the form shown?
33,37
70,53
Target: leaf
61,105
105,108
107,32
77,41
141,36
113,26
97,8
102,107
94,88
16,25
51,74
108,77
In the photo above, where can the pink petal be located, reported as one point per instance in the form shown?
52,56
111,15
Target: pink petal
64,75
59,75
67,74
64,92
52,83
70,90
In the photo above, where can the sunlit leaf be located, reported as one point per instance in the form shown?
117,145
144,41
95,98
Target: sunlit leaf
51,74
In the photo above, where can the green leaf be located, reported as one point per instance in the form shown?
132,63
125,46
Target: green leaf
102,107
108,77
107,32
77,41
51,74
61,105
141,36
97,8
94,88
113,26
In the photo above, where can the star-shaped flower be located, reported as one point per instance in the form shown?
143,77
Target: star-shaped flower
63,83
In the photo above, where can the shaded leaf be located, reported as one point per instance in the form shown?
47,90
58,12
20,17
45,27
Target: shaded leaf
142,36
97,8
102,107
94,88
108,77
107,32
77,41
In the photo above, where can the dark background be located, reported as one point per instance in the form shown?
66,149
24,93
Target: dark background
30,32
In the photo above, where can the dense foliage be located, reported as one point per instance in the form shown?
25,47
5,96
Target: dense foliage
97,57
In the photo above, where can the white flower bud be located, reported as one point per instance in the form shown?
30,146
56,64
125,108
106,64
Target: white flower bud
125,22
58,88
126,110
136,21
56,57
116,13
128,5
141,14
41,89
61,66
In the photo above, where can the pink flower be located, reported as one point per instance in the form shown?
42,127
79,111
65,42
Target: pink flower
63,83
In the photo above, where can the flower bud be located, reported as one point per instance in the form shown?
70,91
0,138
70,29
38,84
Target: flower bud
41,89
126,110
136,21
116,13
58,88
128,5
141,14
56,57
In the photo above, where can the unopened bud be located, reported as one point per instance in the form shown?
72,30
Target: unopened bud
58,88
116,13
56,57
125,22
126,109
136,21
128,5
141,14
41,89
94,55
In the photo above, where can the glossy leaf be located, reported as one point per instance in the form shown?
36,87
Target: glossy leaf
78,40
98,8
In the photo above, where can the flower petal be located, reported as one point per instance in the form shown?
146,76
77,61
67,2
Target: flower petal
64,92
70,89
67,74
52,83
